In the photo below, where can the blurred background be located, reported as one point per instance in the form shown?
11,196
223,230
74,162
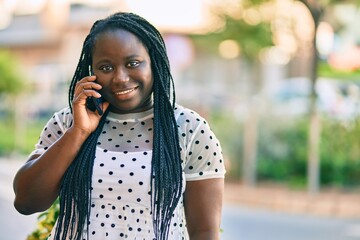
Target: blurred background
278,81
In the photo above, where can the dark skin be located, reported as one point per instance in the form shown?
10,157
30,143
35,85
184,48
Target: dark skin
203,204
122,69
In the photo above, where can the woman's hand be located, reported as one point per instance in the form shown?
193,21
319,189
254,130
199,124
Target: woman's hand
85,119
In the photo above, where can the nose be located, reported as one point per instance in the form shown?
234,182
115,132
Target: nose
121,74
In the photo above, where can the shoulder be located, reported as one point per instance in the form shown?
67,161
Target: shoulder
190,124
185,115
63,118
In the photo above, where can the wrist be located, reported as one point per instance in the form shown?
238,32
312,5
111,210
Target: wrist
78,133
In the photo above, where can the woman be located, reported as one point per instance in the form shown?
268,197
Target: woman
145,169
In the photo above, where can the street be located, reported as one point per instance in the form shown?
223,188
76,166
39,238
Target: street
238,223
241,223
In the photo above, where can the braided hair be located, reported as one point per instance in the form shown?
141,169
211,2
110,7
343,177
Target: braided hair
166,171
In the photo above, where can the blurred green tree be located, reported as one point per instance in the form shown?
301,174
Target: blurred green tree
317,9
253,36
247,25
12,84
11,81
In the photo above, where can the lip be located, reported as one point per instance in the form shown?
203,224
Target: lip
121,92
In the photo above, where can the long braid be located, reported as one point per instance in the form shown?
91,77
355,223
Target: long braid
166,171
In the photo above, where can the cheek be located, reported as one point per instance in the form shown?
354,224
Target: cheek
104,81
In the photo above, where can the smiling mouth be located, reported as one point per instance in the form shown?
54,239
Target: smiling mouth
126,91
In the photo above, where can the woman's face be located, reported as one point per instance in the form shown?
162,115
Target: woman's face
122,66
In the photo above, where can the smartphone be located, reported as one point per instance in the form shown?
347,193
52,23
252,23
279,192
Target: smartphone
94,103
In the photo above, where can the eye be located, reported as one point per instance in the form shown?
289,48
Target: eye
106,68
133,64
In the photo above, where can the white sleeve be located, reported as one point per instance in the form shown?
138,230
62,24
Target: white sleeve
203,154
53,130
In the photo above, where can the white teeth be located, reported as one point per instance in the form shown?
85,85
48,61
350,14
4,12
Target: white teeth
124,92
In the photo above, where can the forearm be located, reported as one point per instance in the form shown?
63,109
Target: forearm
37,183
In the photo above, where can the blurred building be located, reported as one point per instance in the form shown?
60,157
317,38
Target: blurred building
47,43
47,35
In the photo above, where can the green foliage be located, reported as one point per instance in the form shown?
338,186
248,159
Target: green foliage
11,80
340,153
7,133
251,38
282,151
229,131
325,70
46,222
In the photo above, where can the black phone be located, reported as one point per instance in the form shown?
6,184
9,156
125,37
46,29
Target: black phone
94,103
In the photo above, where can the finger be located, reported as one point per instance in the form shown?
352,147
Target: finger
87,79
80,86
90,85
90,93
83,94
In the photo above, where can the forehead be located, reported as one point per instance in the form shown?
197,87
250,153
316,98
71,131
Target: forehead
113,38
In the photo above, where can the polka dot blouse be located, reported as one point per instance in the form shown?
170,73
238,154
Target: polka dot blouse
120,199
